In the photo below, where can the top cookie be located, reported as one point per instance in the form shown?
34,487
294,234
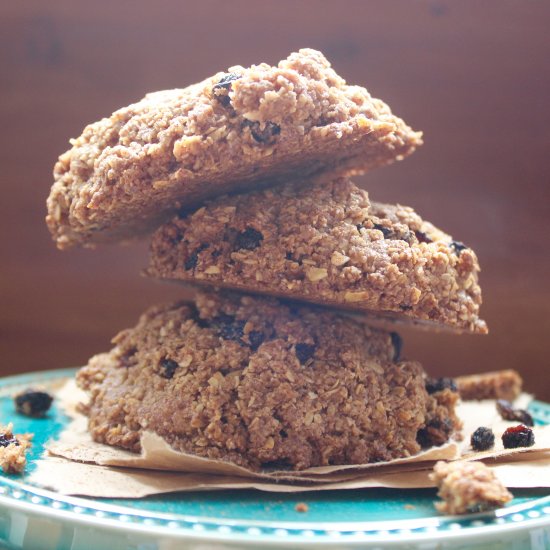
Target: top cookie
127,174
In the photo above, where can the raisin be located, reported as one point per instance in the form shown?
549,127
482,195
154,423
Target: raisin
386,231
507,412
304,352
518,436
168,367
405,307
422,237
457,247
33,403
225,84
436,432
191,261
482,439
228,327
434,385
8,439
397,343
256,339
249,239
265,135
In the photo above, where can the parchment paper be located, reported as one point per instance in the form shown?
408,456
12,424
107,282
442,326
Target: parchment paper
74,464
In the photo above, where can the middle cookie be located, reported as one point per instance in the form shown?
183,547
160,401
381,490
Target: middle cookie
328,245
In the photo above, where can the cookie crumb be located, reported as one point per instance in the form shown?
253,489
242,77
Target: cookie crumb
467,488
301,507
409,507
13,450
503,384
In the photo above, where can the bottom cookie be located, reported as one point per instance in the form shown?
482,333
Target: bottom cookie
264,384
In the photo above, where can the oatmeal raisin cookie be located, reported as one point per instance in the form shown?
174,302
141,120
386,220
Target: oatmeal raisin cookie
259,383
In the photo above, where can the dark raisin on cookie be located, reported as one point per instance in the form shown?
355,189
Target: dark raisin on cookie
386,231
482,439
191,261
224,84
405,307
33,403
397,343
434,433
8,438
249,239
422,237
304,352
263,135
507,412
168,368
518,436
458,247
434,385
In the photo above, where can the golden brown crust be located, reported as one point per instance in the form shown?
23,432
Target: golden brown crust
325,244
261,384
126,174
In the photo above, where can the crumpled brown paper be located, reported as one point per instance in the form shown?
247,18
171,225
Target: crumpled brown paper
75,464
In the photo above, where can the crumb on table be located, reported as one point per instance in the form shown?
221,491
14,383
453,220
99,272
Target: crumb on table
468,487
301,507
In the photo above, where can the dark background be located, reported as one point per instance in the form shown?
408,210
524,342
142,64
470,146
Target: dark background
473,75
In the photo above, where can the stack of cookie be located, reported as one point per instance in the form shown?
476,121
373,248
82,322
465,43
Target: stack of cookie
244,179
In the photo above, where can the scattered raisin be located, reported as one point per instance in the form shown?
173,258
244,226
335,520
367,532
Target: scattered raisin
256,339
386,231
457,247
397,343
193,258
168,368
225,84
422,237
482,439
434,385
518,436
265,135
249,239
8,439
507,412
33,403
304,352
435,432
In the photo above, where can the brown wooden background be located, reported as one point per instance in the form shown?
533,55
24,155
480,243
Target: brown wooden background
474,75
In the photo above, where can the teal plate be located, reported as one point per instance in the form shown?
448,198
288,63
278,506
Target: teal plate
32,517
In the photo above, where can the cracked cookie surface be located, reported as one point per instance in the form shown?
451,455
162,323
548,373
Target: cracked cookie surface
127,173
263,384
325,244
